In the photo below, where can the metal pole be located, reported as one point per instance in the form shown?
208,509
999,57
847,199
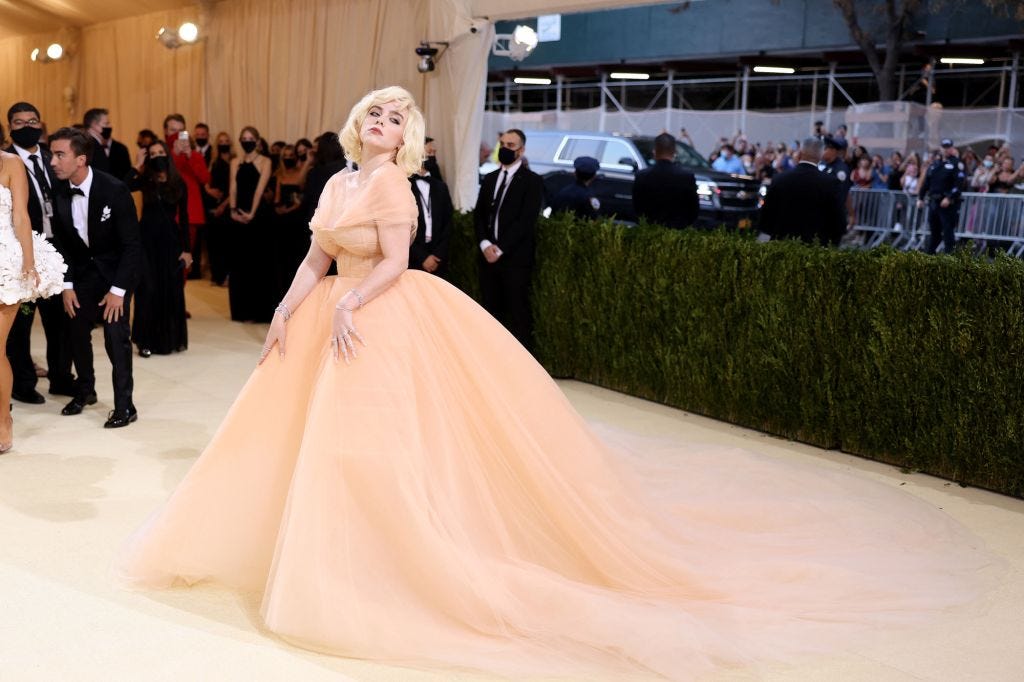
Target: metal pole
559,79
931,84
602,116
828,99
746,87
814,100
903,75
1012,103
508,103
668,101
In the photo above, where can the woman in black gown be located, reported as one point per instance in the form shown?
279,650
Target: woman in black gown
159,326
252,282
291,229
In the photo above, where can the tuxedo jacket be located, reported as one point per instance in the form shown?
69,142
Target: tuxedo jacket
517,220
114,246
117,164
441,213
666,194
804,203
35,207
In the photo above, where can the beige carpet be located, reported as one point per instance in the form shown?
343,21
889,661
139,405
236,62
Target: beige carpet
70,492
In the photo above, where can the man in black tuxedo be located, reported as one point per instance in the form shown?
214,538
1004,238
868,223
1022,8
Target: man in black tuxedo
429,250
505,218
98,235
108,155
804,203
26,128
665,193
201,135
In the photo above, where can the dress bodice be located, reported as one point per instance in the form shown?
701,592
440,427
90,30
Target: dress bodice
352,211
246,180
6,208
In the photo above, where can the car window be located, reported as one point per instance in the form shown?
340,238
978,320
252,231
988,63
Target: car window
576,147
541,147
685,154
616,152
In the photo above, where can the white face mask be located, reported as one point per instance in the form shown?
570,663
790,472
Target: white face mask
987,163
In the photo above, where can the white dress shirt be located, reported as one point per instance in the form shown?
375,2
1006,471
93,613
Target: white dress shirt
509,174
424,187
80,216
38,153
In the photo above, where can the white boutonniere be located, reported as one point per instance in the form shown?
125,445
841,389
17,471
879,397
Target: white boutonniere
105,216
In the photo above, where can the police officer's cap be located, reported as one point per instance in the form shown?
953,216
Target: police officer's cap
946,142
835,142
586,165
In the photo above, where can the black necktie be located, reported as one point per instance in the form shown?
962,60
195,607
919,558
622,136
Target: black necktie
496,204
37,170
78,191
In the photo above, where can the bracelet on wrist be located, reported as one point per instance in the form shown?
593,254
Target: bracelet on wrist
359,297
283,310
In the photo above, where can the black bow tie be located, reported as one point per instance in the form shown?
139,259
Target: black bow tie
421,177
78,191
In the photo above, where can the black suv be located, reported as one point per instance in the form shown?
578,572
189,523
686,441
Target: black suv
724,198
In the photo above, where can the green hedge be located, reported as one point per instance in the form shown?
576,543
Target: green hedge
904,358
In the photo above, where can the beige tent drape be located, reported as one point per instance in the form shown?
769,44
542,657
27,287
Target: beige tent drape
291,68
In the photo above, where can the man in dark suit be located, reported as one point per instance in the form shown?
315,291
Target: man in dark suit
505,219
108,155
804,203
429,250
201,135
98,235
26,128
665,193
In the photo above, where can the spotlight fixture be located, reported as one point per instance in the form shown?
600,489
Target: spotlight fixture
171,38
54,52
774,69
629,76
962,60
429,55
517,45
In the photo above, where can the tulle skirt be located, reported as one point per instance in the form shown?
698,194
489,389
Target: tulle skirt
439,503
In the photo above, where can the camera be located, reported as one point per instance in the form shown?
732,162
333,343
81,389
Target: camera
426,55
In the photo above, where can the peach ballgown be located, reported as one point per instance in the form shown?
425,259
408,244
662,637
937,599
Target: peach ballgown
439,503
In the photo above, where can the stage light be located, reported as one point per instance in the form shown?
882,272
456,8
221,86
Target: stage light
524,80
774,69
962,60
629,76
188,32
55,51
517,45
35,55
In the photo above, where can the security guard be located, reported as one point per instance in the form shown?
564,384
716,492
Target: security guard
579,197
832,163
941,187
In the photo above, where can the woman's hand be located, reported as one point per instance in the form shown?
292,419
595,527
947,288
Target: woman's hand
344,335
29,274
186,258
275,335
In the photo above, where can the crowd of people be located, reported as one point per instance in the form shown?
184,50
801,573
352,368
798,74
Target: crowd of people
233,209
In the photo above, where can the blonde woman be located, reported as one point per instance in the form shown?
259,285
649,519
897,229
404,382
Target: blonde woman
400,480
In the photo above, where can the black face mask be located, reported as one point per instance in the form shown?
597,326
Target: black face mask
158,163
202,141
506,156
107,132
302,158
224,148
249,146
26,137
289,163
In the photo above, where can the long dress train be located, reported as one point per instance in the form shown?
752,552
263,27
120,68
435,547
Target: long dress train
439,502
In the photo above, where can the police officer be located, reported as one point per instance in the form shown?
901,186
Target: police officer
832,163
578,197
942,185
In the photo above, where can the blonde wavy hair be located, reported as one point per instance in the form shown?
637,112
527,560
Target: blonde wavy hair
410,155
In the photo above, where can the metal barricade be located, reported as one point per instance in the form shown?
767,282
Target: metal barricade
993,220
893,217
